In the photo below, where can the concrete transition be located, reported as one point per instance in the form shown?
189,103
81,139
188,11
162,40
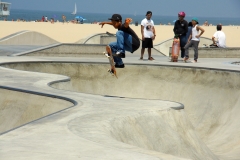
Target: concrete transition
59,102
27,38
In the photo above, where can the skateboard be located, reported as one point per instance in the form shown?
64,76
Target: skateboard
175,49
112,69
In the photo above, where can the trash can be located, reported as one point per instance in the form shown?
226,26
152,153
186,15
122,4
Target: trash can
136,23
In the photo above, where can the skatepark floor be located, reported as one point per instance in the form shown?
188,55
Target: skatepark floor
71,108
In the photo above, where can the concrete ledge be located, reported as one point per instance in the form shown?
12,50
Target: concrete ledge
68,50
233,52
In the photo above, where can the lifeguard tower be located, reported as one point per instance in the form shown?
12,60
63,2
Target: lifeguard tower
4,9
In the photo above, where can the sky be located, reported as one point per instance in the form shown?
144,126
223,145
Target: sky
202,8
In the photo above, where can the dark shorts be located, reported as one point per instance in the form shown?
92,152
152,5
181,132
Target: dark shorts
147,43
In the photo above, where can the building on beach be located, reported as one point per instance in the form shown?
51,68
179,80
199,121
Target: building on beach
4,9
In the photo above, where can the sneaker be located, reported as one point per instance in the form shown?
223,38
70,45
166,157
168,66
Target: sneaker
120,55
185,60
107,54
151,59
194,61
119,66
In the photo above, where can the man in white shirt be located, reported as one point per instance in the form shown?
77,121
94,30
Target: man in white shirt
219,38
148,35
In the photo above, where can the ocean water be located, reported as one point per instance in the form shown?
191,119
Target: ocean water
30,15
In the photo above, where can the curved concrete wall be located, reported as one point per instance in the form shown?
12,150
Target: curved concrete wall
19,108
210,97
27,38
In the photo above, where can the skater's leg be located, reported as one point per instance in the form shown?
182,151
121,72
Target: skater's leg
127,42
142,53
149,53
183,41
120,42
113,47
150,46
195,47
187,48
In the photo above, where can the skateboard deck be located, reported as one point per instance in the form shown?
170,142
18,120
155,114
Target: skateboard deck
112,69
175,49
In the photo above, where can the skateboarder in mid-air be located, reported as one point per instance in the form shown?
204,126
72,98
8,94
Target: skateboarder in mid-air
127,40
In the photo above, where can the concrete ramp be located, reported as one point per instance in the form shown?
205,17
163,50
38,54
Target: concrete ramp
27,38
207,128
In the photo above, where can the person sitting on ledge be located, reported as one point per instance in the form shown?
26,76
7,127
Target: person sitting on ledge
219,38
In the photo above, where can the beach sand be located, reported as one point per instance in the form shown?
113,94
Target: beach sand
71,33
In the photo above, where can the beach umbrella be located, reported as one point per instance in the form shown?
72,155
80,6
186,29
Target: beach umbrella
79,17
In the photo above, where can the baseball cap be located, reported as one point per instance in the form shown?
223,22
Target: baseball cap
116,17
149,12
195,19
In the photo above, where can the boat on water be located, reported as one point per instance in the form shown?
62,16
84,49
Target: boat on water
75,10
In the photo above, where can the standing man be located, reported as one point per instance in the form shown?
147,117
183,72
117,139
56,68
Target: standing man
148,35
180,30
219,37
127,39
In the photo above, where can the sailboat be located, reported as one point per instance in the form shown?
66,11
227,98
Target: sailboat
75,10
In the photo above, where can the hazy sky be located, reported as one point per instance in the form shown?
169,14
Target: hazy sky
202,8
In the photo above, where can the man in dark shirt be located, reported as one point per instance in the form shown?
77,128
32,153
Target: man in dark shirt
180,30
127,40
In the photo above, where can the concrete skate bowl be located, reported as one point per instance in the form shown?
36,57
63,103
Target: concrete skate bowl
163,47
18,107
207,127
27,38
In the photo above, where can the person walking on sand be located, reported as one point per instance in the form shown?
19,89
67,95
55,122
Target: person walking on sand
193,40
148,35
180,30
64,18
127,39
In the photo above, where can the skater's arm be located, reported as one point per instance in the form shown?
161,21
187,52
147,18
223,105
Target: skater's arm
102,23
127,22
154,33
202,31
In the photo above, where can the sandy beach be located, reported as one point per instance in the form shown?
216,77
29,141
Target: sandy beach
70,33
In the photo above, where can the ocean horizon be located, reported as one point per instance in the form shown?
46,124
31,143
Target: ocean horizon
33,15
